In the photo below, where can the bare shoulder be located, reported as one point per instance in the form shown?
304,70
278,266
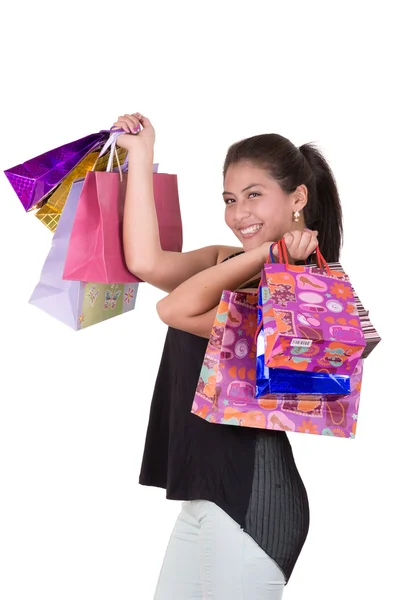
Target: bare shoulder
225,251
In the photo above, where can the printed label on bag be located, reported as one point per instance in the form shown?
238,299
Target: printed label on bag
303,343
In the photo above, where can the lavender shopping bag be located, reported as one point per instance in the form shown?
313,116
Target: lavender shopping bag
226,390
77,304
34,179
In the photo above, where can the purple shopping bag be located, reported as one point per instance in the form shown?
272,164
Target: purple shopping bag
34,179
75,303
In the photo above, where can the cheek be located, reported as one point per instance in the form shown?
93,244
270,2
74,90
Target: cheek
273,211
228,216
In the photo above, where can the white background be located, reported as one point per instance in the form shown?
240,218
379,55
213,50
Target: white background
74,523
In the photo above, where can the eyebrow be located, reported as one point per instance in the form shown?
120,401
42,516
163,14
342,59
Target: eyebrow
245,189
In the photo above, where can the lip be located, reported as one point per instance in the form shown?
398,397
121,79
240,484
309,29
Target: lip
250,235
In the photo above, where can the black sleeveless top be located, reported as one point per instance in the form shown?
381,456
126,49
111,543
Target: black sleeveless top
249,473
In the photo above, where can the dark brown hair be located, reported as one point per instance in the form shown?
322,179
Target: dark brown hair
290,167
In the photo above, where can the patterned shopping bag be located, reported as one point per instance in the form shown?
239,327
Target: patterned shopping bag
310,318
371,336
295,380
226,390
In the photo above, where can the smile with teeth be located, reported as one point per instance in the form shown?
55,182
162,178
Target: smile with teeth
253,229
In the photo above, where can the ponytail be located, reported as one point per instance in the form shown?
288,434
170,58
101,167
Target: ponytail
323,211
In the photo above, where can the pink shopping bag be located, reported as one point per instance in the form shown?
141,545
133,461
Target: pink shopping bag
95,251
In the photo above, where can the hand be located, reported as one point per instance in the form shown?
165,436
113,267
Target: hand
300,244
141,130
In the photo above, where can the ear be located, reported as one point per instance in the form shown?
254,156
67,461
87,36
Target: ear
300,197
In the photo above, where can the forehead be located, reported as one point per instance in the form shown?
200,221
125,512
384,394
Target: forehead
245,173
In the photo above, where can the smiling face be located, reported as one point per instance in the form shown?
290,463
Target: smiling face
257,209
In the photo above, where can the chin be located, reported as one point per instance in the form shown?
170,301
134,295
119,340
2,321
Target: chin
254,242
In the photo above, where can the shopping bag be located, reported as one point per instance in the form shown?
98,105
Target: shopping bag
310,318
34,179
95,249
226,390
285,381
77,304
371,336
49,214
292,381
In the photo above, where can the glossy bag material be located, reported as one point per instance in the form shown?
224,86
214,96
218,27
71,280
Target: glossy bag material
226,390
77,304
285,381
310,318
34,179
95,251
49,214
293,381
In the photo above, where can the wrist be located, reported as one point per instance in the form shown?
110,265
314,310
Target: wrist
265,251
142,155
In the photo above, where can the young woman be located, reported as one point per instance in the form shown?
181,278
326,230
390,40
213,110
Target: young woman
245,514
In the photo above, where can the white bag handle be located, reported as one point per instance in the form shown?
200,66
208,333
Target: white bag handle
111,144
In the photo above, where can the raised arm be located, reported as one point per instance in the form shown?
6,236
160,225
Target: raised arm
143,253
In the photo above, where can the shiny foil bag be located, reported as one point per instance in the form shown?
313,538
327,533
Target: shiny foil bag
49,214
34,179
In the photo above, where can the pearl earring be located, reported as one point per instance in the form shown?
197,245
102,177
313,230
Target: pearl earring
296,216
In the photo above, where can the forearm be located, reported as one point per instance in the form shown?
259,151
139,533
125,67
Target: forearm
202,292
140,226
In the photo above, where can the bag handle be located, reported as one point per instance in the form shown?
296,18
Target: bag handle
271,257
284,255
111,144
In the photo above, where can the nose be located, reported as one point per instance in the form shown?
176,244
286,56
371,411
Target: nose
242,211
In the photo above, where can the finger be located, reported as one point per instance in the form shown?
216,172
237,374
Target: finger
292,242
313,231
121,125
289,239
312,246
128,124
275,250
305,240
144,121
133,122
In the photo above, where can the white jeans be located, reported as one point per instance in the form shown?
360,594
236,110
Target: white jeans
210,556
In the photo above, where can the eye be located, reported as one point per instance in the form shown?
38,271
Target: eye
254,194
229,200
